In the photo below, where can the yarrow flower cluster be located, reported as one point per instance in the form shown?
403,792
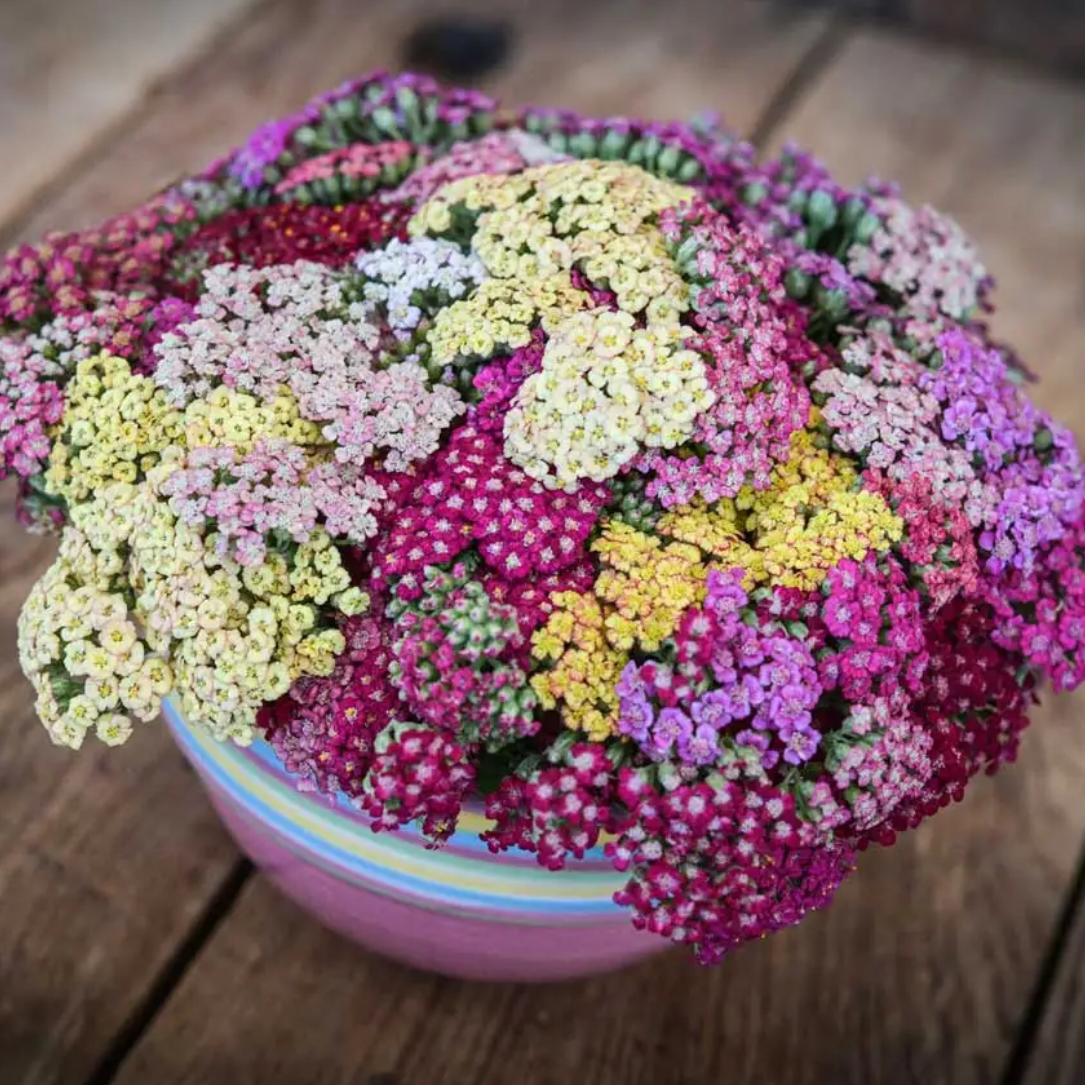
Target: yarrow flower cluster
416,280
676,506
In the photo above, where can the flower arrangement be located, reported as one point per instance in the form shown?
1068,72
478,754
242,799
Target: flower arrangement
647,493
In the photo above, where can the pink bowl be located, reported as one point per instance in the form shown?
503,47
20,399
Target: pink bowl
459,910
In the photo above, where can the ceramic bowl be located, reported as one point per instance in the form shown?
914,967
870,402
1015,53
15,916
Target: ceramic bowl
459,910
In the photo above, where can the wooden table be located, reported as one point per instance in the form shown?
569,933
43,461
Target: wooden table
136,946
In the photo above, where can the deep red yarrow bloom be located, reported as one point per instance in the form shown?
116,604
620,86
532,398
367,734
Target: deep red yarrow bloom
324,729
417,774
283,234
473,494
717,863
559,811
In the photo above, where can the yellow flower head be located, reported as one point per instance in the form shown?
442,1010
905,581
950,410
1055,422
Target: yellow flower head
636,602
585,665
813,515
647,585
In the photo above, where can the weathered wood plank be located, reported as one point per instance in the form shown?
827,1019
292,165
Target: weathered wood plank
1055,1054
1051,32
68,71
921,970
107,858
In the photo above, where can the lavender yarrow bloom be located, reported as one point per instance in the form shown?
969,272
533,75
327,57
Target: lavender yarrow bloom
665,735
762,681
672,729
736,700
411,279
1030,466
1038,505
924,257
982,410
699,746
832,288
263,149
636,713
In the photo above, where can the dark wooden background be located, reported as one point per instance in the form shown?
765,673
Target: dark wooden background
1049,32
136,947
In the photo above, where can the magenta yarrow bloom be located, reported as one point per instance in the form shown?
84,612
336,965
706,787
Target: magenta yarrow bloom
418,774
718,862
558,812
474,494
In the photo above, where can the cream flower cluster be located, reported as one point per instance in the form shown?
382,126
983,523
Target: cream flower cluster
606,389
613,380
223,638
117,424
89,665
532,229
160,605
498,317
236,637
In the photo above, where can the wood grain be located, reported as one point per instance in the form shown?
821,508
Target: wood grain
1051,32
1048,33
922,970
107,858
1057,1054
68,71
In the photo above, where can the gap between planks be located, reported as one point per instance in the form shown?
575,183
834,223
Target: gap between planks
1048,1049
101,134
218,908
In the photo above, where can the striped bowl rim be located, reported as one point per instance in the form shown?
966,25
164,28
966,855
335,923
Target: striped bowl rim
464,876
